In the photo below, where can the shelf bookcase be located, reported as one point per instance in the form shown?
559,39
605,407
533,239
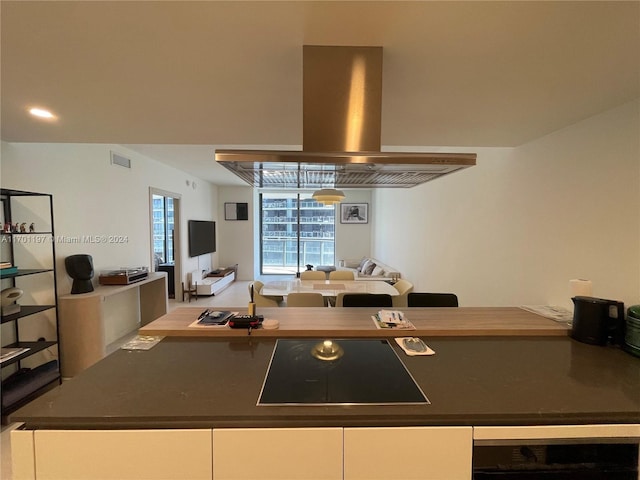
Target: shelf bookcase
33,371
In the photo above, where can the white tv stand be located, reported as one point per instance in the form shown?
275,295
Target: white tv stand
213,283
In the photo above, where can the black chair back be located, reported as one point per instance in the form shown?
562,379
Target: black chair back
366,300
417,299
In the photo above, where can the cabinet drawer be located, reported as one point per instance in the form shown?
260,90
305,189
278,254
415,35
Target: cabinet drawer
555,432
123,454
274,453
425,453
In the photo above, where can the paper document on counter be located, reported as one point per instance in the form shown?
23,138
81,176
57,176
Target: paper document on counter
552,312
414,346
142,342
392,319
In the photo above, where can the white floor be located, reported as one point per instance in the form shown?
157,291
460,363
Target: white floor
236,295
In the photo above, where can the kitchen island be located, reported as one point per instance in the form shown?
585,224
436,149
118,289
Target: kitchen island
187,408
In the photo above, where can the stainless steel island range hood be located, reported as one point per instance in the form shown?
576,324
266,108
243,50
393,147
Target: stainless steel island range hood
342,105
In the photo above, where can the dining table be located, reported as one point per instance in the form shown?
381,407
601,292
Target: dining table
328,288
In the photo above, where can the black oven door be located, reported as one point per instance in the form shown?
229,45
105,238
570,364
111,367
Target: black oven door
556,462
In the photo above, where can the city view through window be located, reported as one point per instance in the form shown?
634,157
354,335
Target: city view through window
162,230
292,223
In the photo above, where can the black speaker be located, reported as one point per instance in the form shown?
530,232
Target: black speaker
80,269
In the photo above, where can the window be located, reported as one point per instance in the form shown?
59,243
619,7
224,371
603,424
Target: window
163,226
295,231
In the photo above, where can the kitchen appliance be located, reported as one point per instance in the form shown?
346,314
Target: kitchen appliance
338,372
556,461
632,333
597,321
341,133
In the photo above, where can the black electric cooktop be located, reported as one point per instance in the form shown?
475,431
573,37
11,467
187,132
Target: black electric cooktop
338,372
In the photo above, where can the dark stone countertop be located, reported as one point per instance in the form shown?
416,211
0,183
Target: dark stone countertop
215,383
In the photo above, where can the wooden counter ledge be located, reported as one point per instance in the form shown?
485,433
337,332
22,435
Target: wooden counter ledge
356,322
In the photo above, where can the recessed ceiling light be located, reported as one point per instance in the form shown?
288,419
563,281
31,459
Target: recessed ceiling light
41,113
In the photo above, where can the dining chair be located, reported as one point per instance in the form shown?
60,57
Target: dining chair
313,275
404,287
419,299
341,275
365,300
305,299
337,302
263,300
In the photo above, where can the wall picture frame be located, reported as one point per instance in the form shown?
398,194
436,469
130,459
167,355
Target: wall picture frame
236,211
354,213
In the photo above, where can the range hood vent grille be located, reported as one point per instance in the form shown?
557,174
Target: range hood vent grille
287,174
342,105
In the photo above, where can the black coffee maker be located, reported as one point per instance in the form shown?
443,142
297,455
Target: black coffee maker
598,321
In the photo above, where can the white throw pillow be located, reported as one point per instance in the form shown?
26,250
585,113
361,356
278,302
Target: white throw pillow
365,265
363,262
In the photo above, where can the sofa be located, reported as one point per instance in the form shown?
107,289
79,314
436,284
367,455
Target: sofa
368,268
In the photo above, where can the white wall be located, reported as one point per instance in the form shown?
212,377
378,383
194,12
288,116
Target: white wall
236,237
93,197
515,228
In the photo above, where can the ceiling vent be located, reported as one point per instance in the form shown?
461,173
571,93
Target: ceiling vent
342,105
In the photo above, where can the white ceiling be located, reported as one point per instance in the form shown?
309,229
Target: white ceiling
174,79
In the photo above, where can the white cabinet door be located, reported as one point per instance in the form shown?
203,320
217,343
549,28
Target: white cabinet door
123,454
425,453
277,453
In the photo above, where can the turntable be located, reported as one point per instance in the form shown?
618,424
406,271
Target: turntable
123,276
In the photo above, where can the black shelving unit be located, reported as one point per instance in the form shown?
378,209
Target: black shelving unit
21,384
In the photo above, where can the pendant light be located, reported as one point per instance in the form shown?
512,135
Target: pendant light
328,196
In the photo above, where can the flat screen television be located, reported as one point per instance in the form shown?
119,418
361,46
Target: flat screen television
202,237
